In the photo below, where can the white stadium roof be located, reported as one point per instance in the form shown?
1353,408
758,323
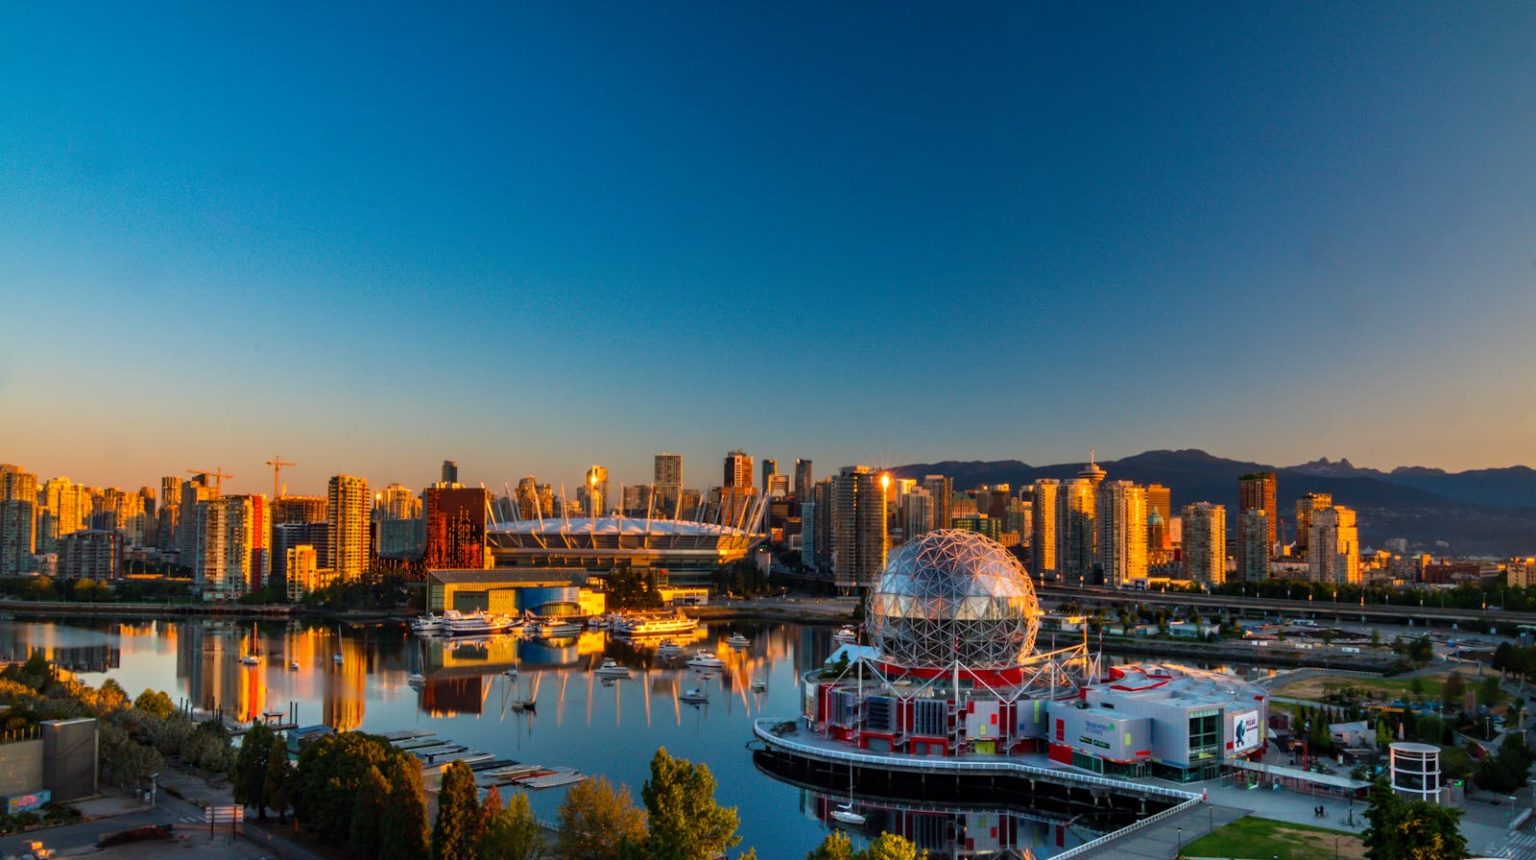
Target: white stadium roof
637,526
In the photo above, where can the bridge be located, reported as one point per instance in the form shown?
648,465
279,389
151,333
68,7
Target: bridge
1400,613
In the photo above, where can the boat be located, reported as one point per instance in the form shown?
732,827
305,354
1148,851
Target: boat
250,660
294,666
738,641
759,685
847,635
510,673
478,624
416,679
337,658
598,622
677,622
706,660
668,649
558,629
611,669
695,696
844,813
431,625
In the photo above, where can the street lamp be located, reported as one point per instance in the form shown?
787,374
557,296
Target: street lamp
1180,850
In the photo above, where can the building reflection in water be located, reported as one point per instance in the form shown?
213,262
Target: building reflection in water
63,647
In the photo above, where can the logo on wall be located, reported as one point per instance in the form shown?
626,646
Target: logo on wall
1245,731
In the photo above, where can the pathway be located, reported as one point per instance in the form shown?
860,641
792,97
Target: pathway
1164,839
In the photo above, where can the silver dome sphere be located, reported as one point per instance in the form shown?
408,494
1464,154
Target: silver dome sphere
954,595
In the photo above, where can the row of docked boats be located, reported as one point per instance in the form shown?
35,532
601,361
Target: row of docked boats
435,754
453,623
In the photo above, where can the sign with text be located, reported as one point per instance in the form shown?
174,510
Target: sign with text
1245,731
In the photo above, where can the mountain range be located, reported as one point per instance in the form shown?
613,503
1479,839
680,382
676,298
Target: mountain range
1476,512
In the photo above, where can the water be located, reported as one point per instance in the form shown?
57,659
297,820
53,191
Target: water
607,729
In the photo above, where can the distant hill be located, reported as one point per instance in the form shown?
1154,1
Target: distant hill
1481,512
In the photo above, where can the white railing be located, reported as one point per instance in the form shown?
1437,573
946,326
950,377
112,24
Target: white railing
1126,830
1001,765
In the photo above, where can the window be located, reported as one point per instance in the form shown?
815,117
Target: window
1204,736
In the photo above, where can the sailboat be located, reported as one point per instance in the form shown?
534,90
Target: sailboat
844,813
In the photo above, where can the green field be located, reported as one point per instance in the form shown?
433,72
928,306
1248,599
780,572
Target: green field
1392,688
1262,838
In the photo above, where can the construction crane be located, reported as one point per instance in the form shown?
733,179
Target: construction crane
277,463
218,475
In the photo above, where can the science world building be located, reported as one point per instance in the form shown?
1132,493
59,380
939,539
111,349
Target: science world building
951,681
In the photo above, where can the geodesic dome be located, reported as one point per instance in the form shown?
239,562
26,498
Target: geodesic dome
954,595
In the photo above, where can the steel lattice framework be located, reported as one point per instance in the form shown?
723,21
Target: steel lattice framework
954,597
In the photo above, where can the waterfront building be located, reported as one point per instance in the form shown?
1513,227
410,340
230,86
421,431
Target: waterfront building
18,519
400,540
232,547
63,507
1253,559
1306,506
859,519
1256,490
1076,531
199,488
1044,558
805,478
1333,546
1121,521
90,554
286,536
301,564
952,679
1205,543
347,501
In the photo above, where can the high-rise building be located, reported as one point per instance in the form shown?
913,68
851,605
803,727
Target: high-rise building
1205,543
1121,519
122,512
810,515
286,536
1077,532
63,508
667,485
1160,499
200,488
1093,473
1305,507
594,491
456,521
232,547
450,473
918,513
397,502
738,493
770,468
1253,530
942,488
347,543
1256,490
18,519
860,540
777,487
738,469
300,509
1044,558
805,478
90,554
1333,547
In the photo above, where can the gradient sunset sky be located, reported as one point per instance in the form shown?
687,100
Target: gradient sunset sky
534,236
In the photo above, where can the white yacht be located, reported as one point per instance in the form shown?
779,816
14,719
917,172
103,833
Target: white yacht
677,622
705,660
251,660
738,641
611,669
478,624
695,696
668,649
555,629
847,634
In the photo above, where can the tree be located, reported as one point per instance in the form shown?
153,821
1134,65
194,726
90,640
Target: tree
489,809
597,822
403,827
1375,638
458,815
889,846
155,703
1507,769
1453,692
124,761
686,823
367,812
1490,692
279,774
1401,829
249,778
512,833
326,782
836,846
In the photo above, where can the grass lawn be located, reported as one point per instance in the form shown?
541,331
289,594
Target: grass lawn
1315,686
1263,838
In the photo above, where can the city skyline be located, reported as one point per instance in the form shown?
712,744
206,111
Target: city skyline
1272,232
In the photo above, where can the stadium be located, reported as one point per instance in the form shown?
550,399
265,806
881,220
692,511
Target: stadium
687,550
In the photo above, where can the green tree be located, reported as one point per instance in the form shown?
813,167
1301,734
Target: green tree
837,846
367,811
403,827
512,833
1452,693
1490,692
889,846
1399,829
249,777
686,823
326,782
1508,768
124,761
279,774
1375,638
155,703
597,822
458,815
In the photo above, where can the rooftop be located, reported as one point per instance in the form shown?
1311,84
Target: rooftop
613,526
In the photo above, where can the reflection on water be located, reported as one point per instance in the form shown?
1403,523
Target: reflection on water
360,677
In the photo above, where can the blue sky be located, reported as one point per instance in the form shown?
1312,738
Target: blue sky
536,236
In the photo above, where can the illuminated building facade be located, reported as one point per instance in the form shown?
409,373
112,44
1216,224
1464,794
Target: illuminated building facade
1253,559
348,500
1256,490
91,554
667,485
1121,519
1205,543
1044,551
455,525
1333,546
859,540
1306,506
1076,531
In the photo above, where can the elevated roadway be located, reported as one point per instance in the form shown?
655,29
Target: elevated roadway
1396,613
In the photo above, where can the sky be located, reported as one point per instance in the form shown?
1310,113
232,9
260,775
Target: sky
535,236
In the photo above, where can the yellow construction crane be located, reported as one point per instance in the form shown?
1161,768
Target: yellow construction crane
218,475
277,463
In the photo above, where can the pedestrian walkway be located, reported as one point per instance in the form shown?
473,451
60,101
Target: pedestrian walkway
1164,839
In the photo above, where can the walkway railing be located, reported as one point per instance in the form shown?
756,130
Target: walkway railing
949,764
1107,838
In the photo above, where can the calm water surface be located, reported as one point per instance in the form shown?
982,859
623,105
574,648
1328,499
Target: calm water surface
608,729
